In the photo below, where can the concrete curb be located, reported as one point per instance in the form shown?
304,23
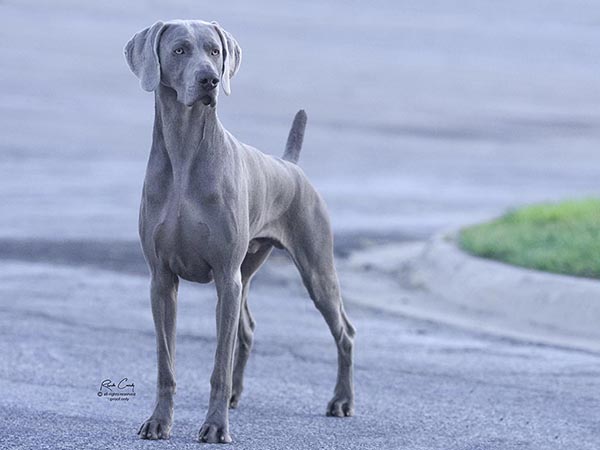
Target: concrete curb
440,282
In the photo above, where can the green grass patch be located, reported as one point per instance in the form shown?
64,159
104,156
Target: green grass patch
560,238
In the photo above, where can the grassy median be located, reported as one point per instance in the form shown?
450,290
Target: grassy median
560,238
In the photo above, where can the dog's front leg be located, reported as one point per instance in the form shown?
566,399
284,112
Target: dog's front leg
216,425
163,295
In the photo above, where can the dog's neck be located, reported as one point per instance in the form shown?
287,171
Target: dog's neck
185,133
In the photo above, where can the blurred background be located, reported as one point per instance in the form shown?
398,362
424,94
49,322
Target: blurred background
421,114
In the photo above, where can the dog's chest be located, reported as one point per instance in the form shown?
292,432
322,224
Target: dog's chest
192,213
180,238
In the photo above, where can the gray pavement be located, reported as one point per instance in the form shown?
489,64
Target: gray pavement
419,385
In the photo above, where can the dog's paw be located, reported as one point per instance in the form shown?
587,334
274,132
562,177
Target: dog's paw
214,434
340,407
155,428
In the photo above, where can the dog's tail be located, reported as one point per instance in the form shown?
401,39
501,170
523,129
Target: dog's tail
295,138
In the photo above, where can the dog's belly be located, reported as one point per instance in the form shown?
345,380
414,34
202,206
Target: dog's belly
180,242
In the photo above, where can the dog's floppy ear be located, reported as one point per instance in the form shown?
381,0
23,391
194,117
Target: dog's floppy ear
232,57
141,53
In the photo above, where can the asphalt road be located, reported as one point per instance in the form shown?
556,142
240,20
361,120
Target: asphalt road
418,385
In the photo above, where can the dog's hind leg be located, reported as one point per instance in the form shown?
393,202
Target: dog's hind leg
311,248
252,262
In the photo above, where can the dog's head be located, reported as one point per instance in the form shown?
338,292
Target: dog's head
191,57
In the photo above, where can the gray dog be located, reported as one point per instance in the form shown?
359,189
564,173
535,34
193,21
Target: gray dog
214,208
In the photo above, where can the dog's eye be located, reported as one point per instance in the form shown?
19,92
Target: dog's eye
215,51
178,51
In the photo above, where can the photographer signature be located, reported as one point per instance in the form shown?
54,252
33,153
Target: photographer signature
121,385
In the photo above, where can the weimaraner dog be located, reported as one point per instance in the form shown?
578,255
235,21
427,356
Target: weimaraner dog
213,209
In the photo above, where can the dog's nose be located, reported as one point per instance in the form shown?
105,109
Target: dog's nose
209,83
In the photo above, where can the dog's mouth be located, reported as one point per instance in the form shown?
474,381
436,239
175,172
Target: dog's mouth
192,97
208,100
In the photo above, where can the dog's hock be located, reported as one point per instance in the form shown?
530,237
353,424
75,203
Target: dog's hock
141,53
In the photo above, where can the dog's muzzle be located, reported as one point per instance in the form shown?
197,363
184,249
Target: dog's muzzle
197,94
209,100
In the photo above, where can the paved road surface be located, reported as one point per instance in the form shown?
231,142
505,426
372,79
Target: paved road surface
419,385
